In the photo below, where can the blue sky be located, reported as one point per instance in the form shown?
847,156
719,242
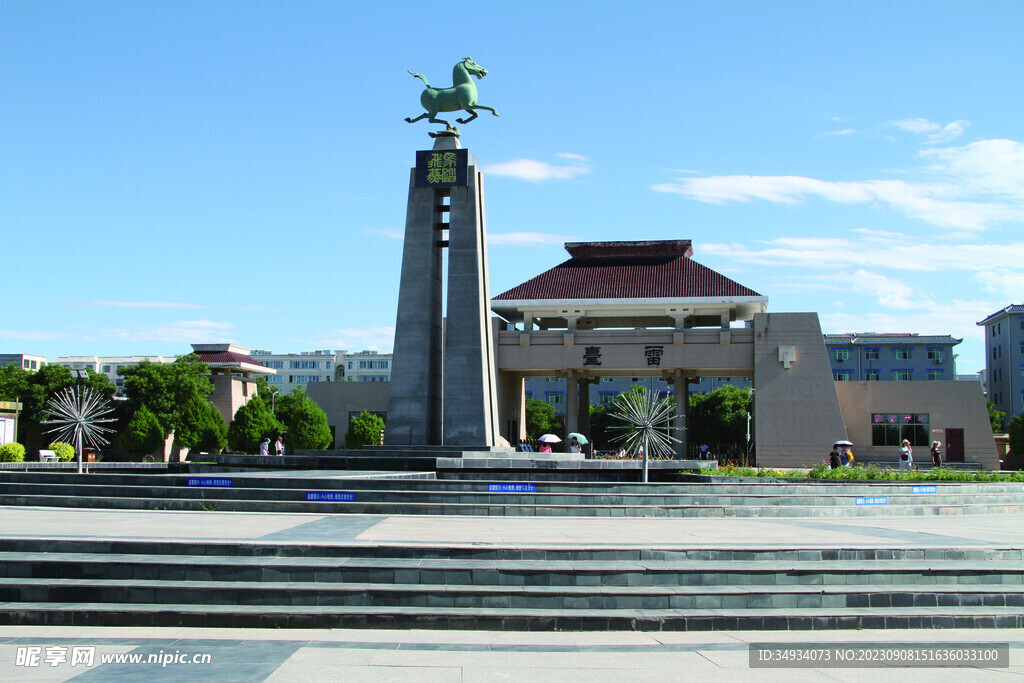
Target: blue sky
177,172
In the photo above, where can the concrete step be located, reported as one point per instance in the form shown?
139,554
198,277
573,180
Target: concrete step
282,593
464,572
405,482
451,618
500,508
269,491
226,551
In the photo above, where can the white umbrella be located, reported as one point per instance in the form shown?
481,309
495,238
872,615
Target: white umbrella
843,443
549,438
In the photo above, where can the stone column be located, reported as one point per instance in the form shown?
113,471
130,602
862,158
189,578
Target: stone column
470,397
572,402
679,422
414,398
583,407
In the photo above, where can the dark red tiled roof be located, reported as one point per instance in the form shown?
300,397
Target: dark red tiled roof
627,270
226,357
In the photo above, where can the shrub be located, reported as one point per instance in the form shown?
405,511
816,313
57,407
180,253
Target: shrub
12,452
253,422
363,431
143,435
64,451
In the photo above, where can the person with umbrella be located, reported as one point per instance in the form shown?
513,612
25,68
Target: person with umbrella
545,442
576,442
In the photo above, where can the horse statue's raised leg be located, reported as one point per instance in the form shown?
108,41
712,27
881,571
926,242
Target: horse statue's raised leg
472,110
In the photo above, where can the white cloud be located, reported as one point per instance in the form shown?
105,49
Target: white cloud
937,133
35,335
966,189
1005,283
136,304
353,339
872,249
537,171
889,293
986,168
917,126
957,317
839,133
572,156
390,234
949,132
527,239
181,332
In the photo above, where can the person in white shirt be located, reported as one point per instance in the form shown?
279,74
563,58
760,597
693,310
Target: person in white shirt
906,456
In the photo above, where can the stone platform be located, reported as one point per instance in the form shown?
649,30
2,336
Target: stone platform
214,569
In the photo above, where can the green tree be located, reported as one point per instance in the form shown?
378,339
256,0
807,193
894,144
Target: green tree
34,389
996,417
143,435
13,382
541,418
719,417
304,421
201,428
166,388
253,422
602,432
1016,433
364,431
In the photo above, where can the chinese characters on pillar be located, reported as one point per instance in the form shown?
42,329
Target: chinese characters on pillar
653,354
441,169
592,355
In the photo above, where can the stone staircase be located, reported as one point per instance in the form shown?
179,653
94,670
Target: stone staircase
269,585
336,493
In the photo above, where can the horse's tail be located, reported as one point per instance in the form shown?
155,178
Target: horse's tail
421,77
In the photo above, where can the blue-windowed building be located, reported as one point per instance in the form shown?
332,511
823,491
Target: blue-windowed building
873,357
1004,360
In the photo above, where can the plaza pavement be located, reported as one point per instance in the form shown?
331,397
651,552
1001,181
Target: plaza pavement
402,655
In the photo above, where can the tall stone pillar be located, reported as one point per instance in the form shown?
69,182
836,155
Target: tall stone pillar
470,397
572,402
443,389
679,421
583,407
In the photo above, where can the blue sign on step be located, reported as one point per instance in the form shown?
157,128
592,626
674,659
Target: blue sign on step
331,496
873,500
925,489
511,488
209,481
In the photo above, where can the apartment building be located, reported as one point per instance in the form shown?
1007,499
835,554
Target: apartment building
1004,360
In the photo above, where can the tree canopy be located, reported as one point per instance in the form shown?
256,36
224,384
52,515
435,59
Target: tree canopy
363,431
1016,434
201,426
166,388
719,417
34,389
304,421
143,435
253,422
542,418
996,417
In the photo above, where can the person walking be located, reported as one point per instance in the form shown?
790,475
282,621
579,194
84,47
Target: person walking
265,446
833,458
936,454
574,446
906,456
279,445
848,455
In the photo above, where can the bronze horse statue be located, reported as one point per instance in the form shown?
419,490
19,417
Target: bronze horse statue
462,94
